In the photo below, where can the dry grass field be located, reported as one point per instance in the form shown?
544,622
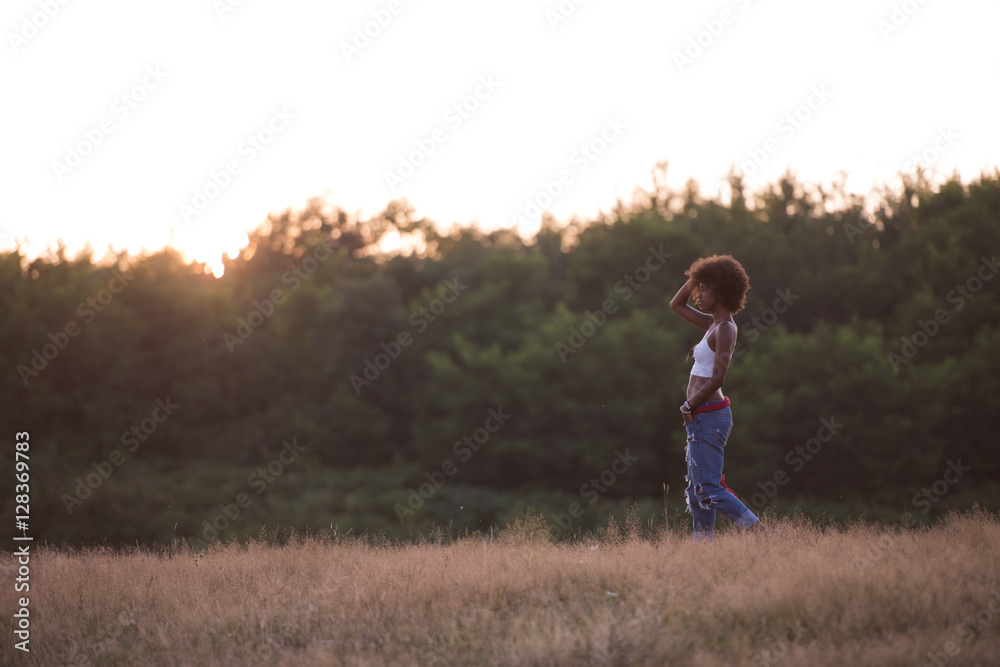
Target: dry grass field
814,595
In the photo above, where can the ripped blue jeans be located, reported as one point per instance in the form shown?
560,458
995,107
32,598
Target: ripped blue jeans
706,438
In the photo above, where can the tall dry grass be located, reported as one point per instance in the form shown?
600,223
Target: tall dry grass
818,595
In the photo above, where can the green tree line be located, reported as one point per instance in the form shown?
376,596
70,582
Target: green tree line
324,382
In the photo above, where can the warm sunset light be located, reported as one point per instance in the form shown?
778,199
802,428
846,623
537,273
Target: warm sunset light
210,246
212,131
558,332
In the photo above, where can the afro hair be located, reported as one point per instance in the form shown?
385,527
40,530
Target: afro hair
725,276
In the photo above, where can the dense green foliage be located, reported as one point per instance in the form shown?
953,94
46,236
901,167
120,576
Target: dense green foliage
471,323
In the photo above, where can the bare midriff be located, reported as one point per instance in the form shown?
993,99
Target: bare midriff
696,382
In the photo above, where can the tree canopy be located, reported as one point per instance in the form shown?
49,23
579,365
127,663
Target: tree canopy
323,381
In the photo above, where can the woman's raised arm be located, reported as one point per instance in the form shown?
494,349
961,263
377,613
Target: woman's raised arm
680,305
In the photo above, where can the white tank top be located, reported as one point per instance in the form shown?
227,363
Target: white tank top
704,357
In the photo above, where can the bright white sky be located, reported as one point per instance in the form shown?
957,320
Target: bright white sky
611,67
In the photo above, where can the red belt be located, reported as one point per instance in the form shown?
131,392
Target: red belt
724,403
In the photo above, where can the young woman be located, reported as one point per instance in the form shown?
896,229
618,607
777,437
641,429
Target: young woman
720,285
